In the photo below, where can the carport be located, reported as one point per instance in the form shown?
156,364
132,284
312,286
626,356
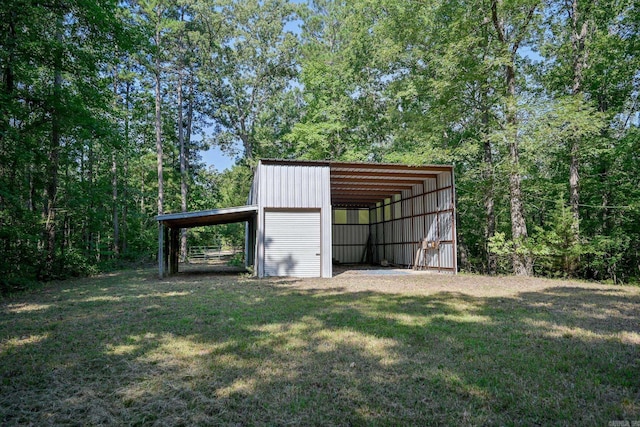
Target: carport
169,227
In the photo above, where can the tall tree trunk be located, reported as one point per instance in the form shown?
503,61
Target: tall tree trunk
490,226
246,144
114,180
53,161
183,167
578,36
158,123
7,77
114,205
489,194
522,261
189,117
125,168
187,156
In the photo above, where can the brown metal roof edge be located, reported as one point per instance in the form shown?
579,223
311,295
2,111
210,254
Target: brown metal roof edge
207,213
292,162
359,165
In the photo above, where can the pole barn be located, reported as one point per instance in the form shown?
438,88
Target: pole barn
304,216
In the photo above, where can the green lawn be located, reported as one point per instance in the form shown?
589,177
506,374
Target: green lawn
130,349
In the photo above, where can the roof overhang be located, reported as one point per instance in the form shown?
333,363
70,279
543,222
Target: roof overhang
209,217
362,185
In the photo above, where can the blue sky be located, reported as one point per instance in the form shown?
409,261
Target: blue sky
216,158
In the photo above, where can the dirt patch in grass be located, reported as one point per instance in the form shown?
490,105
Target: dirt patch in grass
127,348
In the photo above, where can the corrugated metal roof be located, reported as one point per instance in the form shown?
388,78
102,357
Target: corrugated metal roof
209,217
355,184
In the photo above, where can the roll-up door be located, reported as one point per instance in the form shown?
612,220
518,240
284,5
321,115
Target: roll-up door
292,243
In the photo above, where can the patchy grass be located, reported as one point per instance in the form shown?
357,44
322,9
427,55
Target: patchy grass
126,348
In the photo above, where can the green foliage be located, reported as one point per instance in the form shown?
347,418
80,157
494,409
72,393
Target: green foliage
373,80
555,248
237,260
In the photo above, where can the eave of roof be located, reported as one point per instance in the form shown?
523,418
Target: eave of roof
209,217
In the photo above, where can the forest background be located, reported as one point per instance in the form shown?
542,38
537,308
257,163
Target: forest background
106,107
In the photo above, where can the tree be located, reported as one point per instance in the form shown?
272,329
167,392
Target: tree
252,68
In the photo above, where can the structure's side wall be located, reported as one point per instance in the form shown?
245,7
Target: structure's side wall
399,225
350,235
294,187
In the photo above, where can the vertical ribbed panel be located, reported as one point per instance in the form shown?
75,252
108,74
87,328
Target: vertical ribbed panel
444,180
432,229
429,185
446,221
431,202
292,243
284,186
446,255
350,240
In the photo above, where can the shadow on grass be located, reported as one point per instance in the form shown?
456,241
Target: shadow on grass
127,349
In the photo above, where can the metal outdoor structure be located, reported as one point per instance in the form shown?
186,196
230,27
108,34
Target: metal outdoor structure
362,213
169,227
404,205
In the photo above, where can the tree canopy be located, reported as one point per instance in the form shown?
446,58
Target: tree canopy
106,106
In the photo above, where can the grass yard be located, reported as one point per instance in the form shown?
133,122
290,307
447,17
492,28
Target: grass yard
129,349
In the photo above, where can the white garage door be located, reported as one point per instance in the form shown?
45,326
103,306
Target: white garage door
292,243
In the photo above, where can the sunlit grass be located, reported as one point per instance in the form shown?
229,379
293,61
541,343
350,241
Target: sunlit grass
13,343
213,350
26,308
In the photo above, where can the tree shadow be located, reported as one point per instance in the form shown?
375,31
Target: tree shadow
229,351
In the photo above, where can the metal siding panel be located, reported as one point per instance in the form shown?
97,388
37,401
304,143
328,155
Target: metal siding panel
295,181
305,185
270,185
319,187
295,186
260,243
397,254
445,225
445,198
380,241
432,232
431,202
323,181
350,239
454,249
408,225
292,242
290,187
444,180
388,233
429,185
432,258
446,255
418,205
418,229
